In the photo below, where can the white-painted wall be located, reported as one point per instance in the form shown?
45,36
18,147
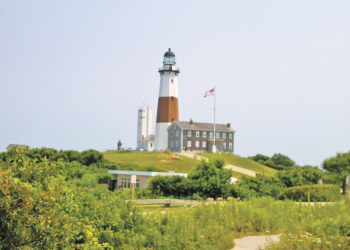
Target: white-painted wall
161,136
168,89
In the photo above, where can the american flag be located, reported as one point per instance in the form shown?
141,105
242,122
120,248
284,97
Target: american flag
209,93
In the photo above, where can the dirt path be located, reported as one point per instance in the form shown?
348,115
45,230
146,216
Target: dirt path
228,166
253,242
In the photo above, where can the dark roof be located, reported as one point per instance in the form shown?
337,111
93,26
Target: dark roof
148,138
169,54
203,126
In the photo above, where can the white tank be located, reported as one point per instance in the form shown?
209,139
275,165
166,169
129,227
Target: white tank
144,123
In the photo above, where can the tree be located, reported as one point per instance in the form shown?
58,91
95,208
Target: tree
339,164
280,159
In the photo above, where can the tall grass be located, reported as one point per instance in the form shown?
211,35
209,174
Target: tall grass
214,226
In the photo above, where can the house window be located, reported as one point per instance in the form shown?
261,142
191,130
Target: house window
217,134
171,144
230,145
224,144
204,144
204,134
197,133
137,183
171,134
174,126
211,135
177,143
125,183
230,135
197,144
224,135
177,133
189,144
189,133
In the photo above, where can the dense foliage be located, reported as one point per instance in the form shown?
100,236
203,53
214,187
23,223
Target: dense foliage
277,161
312,193
209,179
86,157
340,165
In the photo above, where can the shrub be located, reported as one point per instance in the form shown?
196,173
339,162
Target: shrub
104,178
90,156
317,193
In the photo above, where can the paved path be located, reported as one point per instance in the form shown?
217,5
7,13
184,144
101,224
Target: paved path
253,242
228,166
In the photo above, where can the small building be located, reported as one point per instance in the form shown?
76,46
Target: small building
199,137
122,179
16,145
146,143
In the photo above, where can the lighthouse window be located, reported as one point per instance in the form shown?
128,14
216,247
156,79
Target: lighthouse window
172,80
172,98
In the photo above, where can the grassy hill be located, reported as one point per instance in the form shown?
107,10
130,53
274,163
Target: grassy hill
242,162
143,160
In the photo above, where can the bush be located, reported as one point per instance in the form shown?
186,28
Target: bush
317,193
90,156
104,178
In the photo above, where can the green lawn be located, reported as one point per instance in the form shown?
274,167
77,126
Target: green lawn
242,162
143,160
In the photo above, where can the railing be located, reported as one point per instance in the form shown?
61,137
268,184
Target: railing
169,67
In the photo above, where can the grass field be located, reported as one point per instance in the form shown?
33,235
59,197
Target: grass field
242,162
143,160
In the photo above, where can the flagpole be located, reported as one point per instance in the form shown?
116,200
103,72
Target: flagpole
214,146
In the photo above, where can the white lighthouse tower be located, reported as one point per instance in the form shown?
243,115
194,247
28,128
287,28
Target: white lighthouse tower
168,110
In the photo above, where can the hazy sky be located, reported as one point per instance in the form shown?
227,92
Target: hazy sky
73,73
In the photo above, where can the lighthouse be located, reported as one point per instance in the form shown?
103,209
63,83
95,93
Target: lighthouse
168,110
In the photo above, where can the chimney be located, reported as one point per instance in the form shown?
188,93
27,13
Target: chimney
229,125
191,121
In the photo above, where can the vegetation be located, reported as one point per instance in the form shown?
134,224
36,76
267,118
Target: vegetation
340,165
209,179
311,193
242,162
56,203
142,161
277,161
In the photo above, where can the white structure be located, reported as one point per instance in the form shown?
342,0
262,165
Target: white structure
146,144
168,100
122,179
145,140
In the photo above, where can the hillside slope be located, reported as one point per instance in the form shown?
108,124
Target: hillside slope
242,162
143,160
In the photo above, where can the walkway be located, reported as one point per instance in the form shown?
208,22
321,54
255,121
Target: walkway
227,166
253,242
